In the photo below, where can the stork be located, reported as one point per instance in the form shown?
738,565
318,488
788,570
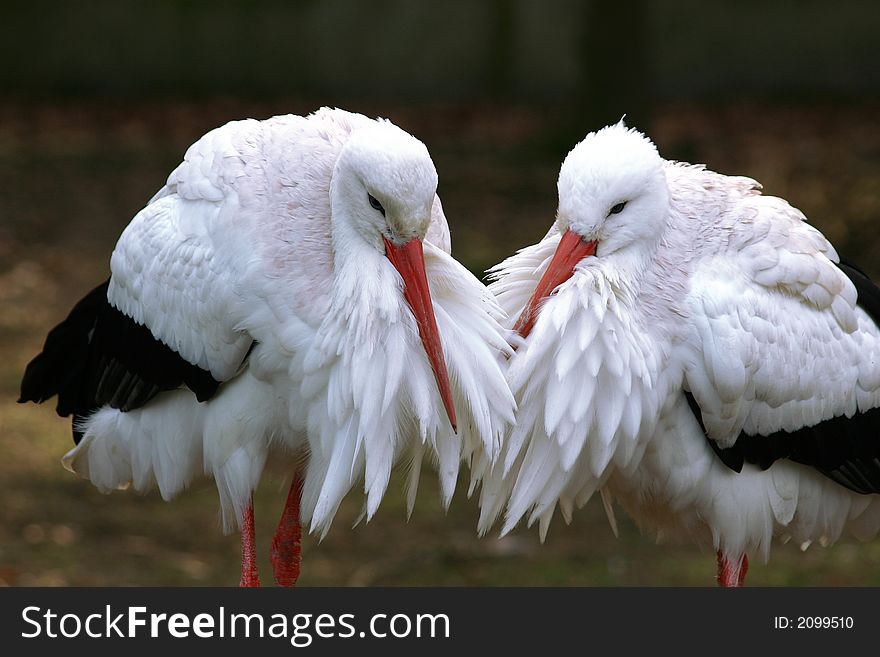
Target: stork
695,350
286,299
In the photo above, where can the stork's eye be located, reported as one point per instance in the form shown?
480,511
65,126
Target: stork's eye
617,209
375,204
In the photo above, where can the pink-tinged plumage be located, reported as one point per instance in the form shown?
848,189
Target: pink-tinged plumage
712,330
302,262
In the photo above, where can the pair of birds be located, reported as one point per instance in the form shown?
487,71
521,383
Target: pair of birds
677,342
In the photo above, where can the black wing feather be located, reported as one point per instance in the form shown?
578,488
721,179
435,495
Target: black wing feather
99,355
846,450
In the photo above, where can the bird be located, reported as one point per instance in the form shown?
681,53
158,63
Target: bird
286,303
693,350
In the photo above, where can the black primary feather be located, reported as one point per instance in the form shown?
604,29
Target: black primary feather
99,355
846,450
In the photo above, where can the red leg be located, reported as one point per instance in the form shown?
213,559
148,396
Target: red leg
732,574
249,574
286,550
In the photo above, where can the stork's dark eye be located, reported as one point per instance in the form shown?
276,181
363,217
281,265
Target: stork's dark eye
617,209
375,204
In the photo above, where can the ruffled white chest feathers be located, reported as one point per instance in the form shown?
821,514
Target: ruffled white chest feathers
371,395
587,386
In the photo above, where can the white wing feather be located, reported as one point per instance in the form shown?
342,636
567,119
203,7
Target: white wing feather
171,270
779,340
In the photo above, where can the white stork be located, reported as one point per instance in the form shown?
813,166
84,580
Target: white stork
288,296
695,350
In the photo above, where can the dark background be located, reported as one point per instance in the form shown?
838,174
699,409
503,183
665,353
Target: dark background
99,100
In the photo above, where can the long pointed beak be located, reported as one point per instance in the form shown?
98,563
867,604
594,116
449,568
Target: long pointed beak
571,250
409,261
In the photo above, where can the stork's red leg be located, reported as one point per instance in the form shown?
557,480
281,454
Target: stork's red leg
285,552
732,573
249,574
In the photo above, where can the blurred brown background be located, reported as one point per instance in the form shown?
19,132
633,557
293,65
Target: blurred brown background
98,102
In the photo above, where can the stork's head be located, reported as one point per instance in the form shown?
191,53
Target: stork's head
612,190
612,198
384,184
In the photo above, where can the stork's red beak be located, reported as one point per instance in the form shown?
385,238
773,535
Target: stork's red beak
571,250
409,260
